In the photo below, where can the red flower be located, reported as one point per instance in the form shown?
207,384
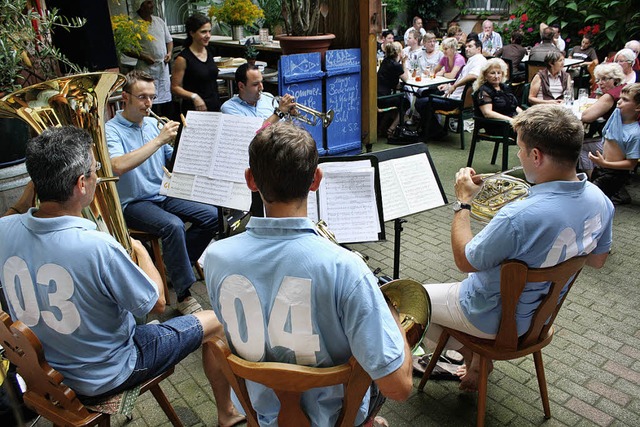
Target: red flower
581,32
587,28
524,17
568,40
512,17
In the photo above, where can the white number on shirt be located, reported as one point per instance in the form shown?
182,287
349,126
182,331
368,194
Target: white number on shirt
293,303
566,241
27,310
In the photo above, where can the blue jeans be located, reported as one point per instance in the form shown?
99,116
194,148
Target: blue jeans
428,106
158,348
180,248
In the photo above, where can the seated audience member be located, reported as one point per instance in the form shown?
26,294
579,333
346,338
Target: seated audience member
533,230
626,58
430,56
250,101
621,149
549,84
427,106
491,41
451,62
391,71
456,32
557,38
139,152
386,38
634,45
417,25
610,81
414,53
492,96
540,51
85,321
338,305
585,52
514,52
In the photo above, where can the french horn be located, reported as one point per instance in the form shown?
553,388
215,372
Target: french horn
78,100
408,297
497,190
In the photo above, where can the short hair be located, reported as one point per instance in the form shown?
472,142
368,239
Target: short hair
633,90
428,36
588,36
476,41
415,18
488,66
450,43
241,72
610,70
283,159
552,129
634,45
486,21
552,57
385,33
415,34
547,34
391,50
55,159
627,54
134,77
193,24
517,37
453,30
555,25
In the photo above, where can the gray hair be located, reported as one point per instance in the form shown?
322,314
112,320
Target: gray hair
610,70
55,159
627,54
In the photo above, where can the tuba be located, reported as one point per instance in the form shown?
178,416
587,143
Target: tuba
79,100
407,296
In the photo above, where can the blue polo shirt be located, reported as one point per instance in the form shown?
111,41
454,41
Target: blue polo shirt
237,107
144,181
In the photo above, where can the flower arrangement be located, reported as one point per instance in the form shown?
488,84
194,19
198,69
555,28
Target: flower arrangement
128,33
236,12
591,30
530,34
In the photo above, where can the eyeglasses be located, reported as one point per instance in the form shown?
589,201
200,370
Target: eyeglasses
603,79
98,167
623,61
144,97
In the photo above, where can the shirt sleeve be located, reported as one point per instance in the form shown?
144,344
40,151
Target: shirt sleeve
114,141
491,246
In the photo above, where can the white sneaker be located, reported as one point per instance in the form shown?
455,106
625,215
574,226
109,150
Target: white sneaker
453,125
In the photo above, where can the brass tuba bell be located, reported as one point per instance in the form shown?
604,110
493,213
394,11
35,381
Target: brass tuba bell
79,100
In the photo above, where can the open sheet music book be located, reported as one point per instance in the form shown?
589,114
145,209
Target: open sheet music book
347,200
211,159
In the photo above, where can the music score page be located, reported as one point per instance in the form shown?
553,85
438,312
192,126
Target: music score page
408,186
211,160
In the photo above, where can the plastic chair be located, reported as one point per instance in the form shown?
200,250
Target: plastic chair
497,131
156,253
462,111
46,394
514,275
524,103
289,381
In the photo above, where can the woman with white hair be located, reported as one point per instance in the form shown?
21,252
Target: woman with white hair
610,80
492,96
626,57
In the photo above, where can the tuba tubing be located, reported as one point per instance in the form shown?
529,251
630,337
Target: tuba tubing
79,100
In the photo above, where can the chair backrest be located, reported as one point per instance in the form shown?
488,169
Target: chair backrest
532,68
289,381
45,392
467,97
525,95
514,275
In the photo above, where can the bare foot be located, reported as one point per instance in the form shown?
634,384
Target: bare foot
469,375
232,419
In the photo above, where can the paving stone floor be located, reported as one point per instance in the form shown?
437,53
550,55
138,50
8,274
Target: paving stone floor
592,365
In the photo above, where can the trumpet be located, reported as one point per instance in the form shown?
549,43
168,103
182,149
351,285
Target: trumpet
161,120
312,118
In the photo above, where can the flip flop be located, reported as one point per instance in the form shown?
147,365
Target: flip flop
442,371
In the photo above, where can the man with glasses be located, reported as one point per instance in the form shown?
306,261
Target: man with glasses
139,152
78,289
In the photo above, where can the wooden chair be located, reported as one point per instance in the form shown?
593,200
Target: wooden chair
462,111
497,131
47,394
514,275
156,254
289,382
532,68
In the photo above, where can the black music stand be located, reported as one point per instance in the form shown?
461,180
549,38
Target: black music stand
439,197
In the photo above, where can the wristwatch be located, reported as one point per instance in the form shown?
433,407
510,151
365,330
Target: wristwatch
458,206
279,113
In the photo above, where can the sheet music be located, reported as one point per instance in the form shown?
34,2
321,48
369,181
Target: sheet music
312,206
408,186
211,159
348,204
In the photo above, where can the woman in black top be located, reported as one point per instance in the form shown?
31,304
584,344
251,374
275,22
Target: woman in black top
493,98
194,70
391,71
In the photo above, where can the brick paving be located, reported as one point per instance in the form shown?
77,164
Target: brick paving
592,365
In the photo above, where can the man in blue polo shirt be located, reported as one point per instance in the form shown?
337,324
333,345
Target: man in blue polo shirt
564,216
139,152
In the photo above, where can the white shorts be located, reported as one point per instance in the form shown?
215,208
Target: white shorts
446,311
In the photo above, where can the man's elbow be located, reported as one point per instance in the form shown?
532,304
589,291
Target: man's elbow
597,260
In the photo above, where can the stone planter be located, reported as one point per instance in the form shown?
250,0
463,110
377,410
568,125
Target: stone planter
305,44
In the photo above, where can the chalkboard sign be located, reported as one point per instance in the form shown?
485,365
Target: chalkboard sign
343,95
301,76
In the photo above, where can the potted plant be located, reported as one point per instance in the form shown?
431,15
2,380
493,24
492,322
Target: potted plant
237,14
301,19
250,52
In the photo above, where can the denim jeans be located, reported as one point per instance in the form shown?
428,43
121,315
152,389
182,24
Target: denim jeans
428,106
180,248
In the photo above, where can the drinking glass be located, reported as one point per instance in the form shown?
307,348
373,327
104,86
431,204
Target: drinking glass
583,94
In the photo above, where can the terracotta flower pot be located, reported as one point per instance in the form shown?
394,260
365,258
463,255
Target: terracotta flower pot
305,44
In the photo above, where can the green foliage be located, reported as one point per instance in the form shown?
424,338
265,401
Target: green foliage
272,14
250,51
618,20
25,51
426,9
